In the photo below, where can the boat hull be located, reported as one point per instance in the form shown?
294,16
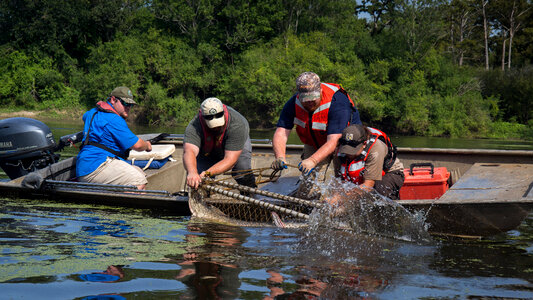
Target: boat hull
167,188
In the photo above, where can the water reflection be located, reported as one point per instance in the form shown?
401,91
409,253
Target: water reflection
296,264
111,274
329,282
211,271
64,251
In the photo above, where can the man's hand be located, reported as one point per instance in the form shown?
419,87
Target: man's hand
205,174
307,166
279,164
148,146
194,180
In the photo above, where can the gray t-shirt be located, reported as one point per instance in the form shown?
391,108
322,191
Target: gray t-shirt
236,134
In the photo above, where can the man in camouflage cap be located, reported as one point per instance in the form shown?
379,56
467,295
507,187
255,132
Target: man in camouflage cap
107,141
320,111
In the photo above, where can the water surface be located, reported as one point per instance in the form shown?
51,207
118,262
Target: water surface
56,251
52,250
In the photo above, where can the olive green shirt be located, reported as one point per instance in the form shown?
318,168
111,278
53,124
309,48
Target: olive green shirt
374,162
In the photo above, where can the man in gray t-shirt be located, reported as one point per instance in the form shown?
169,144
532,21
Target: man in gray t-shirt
216,140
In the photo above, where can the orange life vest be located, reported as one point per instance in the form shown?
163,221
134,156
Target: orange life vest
312,128
210,141
354,170
105,107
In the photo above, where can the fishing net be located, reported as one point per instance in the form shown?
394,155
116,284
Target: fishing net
210,202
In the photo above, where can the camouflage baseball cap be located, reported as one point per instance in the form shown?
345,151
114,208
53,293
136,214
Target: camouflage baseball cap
308,85
123,93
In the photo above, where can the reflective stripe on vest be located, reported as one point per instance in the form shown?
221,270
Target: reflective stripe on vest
355,172
316,135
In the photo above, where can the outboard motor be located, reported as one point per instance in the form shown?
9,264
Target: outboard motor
27,145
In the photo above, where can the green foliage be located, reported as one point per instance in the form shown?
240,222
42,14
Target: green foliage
400,65
51,26
33,82
515,89
509,130
137,62
160,108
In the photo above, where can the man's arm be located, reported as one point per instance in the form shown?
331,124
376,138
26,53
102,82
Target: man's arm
279,142
374,166
367,185
328,148
229,160
190,151
307,165
142,145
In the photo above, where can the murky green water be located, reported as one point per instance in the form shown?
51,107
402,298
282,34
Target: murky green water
57,251
52,250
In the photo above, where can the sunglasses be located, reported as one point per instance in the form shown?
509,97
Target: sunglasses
215,116
126,104
351,143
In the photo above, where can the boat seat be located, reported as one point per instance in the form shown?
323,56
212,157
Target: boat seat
159,153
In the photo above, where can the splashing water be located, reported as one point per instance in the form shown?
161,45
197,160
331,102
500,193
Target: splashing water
368,213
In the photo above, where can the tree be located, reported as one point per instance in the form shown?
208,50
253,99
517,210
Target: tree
55,27
420,25
511,16
462,16
381,13
485,32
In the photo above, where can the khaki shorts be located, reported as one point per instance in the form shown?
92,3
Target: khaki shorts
116,171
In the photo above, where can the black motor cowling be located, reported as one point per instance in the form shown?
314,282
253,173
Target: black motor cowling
25,145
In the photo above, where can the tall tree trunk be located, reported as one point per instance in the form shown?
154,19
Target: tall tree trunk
452,40
511,34
503,51
485,29
463,23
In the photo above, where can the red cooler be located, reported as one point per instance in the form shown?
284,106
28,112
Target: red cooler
423,181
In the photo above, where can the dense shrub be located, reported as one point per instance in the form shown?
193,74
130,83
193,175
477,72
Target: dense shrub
31,81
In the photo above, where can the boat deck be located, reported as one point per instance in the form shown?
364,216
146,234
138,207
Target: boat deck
493,182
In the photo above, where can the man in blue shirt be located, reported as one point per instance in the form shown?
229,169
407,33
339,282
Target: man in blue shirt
107,141
320,111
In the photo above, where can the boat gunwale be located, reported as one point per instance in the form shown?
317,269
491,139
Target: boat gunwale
502,152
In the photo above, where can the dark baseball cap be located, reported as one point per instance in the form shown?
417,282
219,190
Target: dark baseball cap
352,139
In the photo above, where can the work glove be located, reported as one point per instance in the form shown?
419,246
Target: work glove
279,164
307,166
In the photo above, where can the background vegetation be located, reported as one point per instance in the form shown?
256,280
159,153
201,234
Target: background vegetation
429,67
